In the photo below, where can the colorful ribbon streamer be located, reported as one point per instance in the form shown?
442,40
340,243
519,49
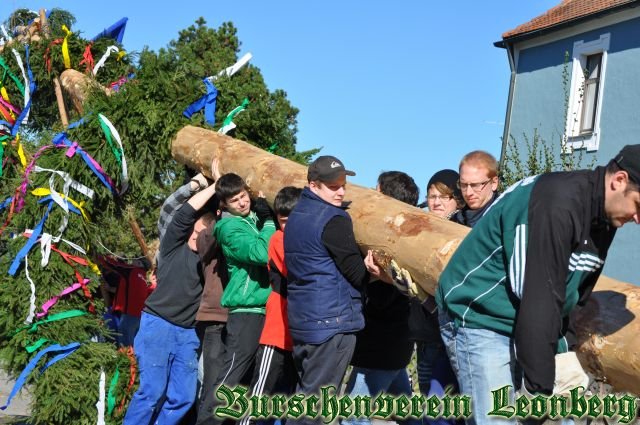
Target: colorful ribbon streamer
116,85
100,402
233,68
34,347
32,240
66,291
208,102
228,124
87,59
132,374
28,92
65,47
109,130
63,351
53,318
32,297
60,140
103,59
111,397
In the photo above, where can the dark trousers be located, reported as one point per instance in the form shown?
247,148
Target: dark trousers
242,334
212,336
322,365
274,373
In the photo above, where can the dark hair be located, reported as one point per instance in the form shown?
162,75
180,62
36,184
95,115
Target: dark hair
286,199
400,186
613,167
229,185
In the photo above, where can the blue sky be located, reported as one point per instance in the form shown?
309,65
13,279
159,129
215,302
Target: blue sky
404,85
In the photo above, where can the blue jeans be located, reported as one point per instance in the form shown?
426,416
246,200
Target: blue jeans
435,375
168,363
128,327
483,361
371,382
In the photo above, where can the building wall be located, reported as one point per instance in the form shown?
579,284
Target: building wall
539,103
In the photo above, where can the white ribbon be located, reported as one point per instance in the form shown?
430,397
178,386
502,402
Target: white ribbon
79,187
27,90
45,249
32,298
6,34
103,59
233,68
116,135
46,239
227,128
101,397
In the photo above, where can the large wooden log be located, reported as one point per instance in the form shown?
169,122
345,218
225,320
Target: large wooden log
420,242
423,244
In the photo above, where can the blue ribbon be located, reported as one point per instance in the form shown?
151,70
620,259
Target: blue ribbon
65,351
69,204
208,102
60,140
35,234
32,88
6,203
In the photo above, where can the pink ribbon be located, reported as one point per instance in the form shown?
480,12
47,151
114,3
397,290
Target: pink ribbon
72,149
25,179
10,106
46,306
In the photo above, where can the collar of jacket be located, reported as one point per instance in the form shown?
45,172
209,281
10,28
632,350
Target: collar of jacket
309,194
598,214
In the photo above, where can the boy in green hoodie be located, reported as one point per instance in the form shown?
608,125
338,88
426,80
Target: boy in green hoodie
244,236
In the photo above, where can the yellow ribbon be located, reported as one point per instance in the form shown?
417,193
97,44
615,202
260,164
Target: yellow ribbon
4,94
23,158
121,54
43,191
65,47
94,267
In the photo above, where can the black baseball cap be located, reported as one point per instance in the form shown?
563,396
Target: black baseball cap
629,160
327,168
448,177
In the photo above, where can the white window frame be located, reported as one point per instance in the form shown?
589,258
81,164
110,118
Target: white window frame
581,50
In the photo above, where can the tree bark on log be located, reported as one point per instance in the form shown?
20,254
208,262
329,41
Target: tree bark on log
423,244
78,86
420,242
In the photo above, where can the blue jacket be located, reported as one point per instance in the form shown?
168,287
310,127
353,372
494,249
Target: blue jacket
321,301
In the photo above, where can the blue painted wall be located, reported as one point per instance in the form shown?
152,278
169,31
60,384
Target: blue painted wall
539,103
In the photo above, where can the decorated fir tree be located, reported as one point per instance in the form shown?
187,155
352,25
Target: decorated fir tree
68,190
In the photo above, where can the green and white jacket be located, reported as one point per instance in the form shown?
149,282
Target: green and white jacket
533,257
244,242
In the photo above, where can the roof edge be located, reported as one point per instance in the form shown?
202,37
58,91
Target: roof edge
542,31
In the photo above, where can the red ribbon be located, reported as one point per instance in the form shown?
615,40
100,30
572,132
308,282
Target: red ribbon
47,57
87,59
70,259
7,115
132,374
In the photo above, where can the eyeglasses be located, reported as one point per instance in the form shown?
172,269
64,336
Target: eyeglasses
442,198
476,187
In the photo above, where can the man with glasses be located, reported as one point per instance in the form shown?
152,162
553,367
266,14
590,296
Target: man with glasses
478,183
512,283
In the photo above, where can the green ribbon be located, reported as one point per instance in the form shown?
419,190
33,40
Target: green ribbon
107,134
235,112
53,318
272,148
12,75
39,343
111,397
2,139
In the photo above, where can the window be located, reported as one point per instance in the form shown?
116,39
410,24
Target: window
590,95
585,98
